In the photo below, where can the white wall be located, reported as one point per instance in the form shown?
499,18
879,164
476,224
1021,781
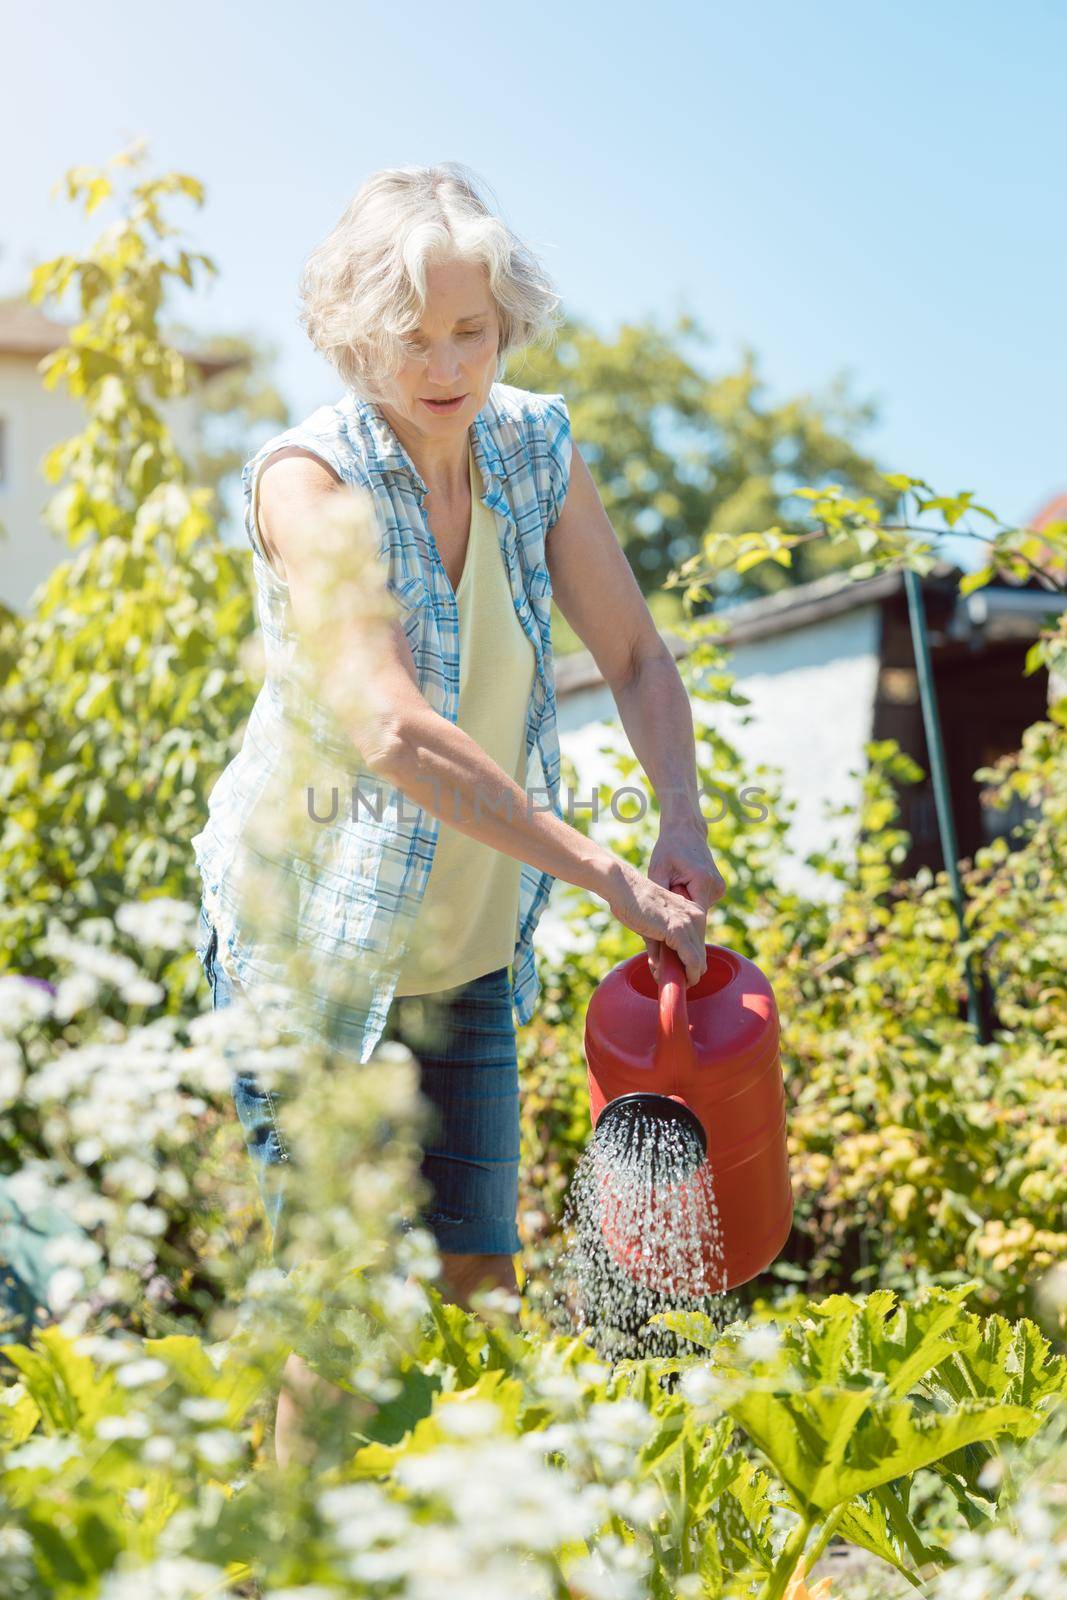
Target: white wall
812,692
34,420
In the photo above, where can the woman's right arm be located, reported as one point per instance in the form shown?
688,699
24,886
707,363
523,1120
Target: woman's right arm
409,745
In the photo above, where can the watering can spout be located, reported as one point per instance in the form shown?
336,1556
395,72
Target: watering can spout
695,1069
631,1118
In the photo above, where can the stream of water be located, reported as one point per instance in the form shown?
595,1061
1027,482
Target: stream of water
642,1234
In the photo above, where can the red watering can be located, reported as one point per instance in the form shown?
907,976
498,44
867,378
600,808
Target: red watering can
699,1064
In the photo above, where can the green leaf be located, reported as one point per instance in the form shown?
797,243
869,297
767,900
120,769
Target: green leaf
428,1434
977,579
830,1445
18,1418
866,1524
694,1326
665,1440
70,1394
750,1548
901,481
995,1360
187,1360
1035,658
395,1418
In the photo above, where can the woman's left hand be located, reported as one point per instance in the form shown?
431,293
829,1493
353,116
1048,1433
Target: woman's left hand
681,857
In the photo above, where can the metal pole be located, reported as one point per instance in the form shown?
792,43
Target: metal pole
946,825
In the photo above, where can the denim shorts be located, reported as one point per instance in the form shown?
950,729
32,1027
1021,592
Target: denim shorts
464,1042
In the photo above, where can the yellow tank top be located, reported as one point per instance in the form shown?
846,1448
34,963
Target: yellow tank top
466,924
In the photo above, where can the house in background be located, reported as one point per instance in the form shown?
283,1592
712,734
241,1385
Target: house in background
828,666
33,419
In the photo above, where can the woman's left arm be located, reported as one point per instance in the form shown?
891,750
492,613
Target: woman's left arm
596,591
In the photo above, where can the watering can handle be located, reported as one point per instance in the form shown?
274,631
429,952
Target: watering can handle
674,1047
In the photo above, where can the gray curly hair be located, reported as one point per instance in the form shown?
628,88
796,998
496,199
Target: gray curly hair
363,289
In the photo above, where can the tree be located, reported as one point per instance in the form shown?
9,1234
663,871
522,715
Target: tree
678,454
104,767
230,404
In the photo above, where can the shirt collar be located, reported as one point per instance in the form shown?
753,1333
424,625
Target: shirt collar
386,452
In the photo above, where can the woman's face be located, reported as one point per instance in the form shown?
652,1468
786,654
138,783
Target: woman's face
452,354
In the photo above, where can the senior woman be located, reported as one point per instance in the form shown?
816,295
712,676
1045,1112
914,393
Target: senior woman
486,512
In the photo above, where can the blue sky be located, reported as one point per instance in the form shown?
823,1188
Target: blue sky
875,188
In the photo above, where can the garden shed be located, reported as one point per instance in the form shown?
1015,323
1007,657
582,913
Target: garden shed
828,666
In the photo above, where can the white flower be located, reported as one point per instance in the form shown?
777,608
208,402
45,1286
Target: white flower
75,993
470,1419
64,1287
146,1219
379,1566
142,991
172,1578
432,1473
402,1301
42,1451
108,1349
557,1438
133,1425
615,1430
159,924
1035,1520
30,1186
130,1251
561,1386
1052,1290
998,1564
307,1591
15,1545
202,1409
417,1253
71,1250
108,966
640,1503
498,1299
264,1281
375,1385
761,1343
133,1175
21,1002
625,1420
699,1385
593,1579
218,1446
12,1072
148,1370
390,1050
362,1515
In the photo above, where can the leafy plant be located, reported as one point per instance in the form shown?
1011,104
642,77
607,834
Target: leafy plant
123,691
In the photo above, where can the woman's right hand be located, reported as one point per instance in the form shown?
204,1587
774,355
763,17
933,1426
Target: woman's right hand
658,913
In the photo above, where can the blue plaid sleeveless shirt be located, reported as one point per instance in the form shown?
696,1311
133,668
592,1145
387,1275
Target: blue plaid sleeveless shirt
522,447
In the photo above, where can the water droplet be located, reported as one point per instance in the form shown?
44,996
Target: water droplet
641,1234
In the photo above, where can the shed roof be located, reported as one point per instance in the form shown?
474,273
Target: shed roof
26,331
998,610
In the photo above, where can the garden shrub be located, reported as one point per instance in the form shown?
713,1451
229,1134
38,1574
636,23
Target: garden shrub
917,1154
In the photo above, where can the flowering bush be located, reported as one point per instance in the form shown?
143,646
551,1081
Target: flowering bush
508,1464
917,1154
466,1453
